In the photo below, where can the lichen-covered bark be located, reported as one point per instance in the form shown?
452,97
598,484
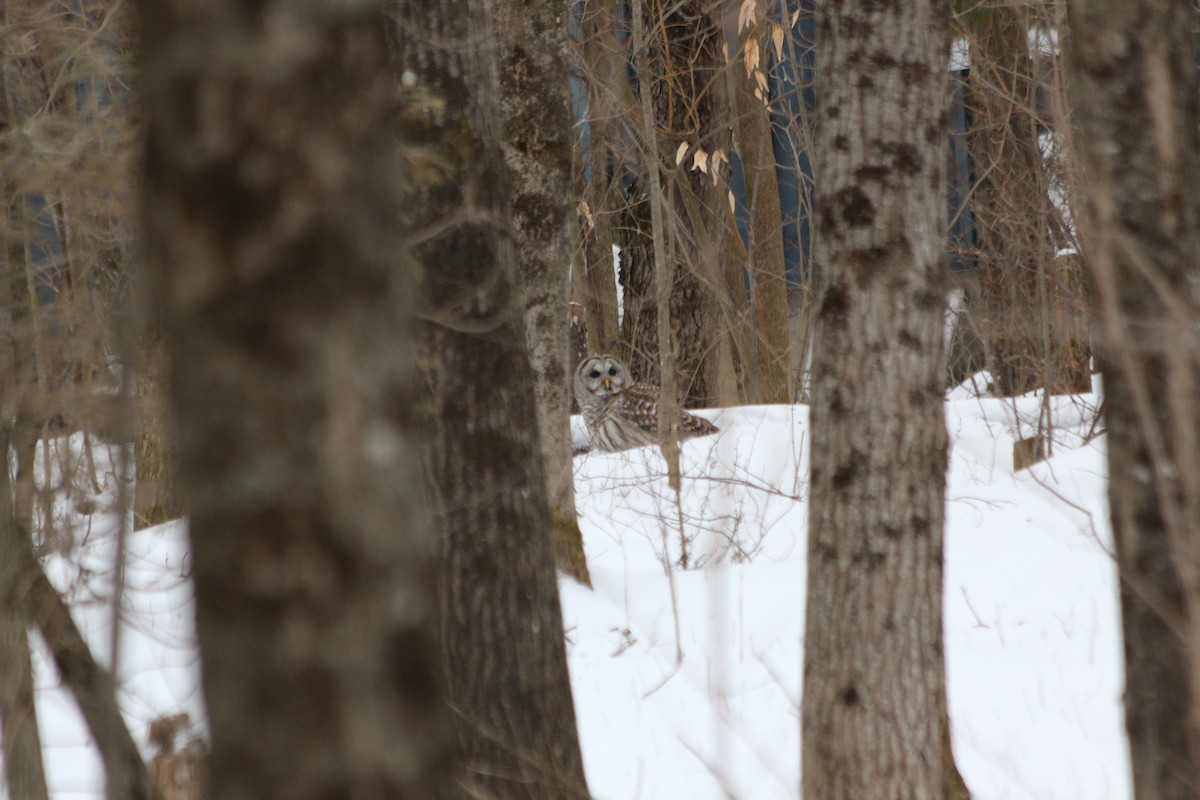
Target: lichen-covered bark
269,218
535,107
1134,110
874,711
501,630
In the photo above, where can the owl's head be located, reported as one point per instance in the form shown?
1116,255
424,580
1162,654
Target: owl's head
602,376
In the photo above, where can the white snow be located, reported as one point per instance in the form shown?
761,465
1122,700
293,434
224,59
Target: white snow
1032,628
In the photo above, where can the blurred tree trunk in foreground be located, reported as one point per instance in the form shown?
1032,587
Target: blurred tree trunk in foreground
874,715
1133,91
500,621
269,215
24,773
535,107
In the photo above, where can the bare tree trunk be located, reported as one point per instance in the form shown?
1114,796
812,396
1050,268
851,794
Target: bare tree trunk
500,621
603,68
1133,92
156,493
682,68
535,107
1010,201
24,774
92,686
269,213
753,130
874,713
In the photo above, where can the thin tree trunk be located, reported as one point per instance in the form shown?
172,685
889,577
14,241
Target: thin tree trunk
874,713
668,400
24,773
603,69
535,107
682,66
1133,90
501,629
92,686
269,210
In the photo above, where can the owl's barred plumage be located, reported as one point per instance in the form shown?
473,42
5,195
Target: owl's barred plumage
622,413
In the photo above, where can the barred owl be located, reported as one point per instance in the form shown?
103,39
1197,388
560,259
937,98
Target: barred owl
622,413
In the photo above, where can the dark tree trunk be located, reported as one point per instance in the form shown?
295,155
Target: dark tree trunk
684,61
1009,201
92,686
603,67
269,213
874,713
535,108
500,622
1133,91
24,773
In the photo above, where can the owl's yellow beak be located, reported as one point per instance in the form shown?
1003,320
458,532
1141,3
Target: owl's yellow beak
606,383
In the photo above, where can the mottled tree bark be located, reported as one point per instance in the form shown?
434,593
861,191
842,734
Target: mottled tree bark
535,108
874,712
269,215
1134,106
501,630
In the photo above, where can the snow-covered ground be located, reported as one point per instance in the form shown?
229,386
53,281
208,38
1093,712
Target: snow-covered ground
699,697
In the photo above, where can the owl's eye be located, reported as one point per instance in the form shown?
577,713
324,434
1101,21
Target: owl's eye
595,373
612,371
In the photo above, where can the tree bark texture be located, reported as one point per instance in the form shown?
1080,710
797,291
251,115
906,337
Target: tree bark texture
767,270
1010,201
501,630
535,108
874,711
269,215
684,62
602,64
1134,108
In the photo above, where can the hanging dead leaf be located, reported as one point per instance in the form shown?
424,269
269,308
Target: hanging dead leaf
752,55
760,78
718,156
680,153
732,202
746,14
777,40
714,163
700,161
795,16
586,211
